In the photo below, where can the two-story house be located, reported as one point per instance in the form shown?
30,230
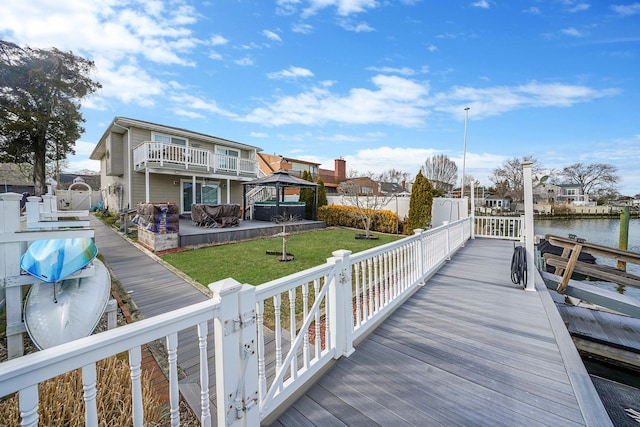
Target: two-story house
148,162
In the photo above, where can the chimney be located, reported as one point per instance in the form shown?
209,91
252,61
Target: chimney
340,171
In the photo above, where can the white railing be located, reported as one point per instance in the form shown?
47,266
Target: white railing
499,227
337,304
165,154
270,340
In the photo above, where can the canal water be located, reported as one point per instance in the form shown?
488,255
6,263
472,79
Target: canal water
605,232
602,231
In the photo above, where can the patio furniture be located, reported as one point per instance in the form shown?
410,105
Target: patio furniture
204,215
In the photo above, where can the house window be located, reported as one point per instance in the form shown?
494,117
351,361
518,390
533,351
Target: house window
365,190
571,192
157,137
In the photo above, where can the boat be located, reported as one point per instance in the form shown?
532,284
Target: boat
66,310
55,259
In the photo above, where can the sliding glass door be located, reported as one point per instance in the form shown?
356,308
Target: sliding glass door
204,193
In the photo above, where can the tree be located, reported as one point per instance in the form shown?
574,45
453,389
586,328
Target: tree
441,171
509,178
394,176
420,203
40,93
595,178
322,193
307,195
363,194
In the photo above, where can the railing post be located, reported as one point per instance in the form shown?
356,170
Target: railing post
10,253
235,354
528,225
341,306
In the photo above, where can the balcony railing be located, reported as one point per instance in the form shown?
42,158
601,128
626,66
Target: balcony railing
161,154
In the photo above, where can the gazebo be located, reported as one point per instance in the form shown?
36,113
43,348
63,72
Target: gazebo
280,180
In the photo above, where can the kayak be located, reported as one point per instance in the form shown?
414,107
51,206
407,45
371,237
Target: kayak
55,259
67,310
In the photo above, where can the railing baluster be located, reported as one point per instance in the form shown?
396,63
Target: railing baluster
327,311
371,287
205,417
276,312
174,395
29,406
305,312
135,361
316,291
356,273
89,393
262,376
292,326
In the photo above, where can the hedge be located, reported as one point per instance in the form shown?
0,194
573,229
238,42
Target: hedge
346,216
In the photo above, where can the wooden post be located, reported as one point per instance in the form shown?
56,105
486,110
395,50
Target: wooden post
569,270
624,236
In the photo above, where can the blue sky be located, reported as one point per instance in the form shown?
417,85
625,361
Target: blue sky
380,83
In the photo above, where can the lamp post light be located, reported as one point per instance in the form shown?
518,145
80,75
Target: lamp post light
464,153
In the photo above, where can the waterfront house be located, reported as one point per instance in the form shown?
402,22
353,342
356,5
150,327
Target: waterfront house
572,194
148,162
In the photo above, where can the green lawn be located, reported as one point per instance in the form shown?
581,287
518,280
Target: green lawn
247,262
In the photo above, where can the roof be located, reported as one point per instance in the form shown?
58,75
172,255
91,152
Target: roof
281,178
121,125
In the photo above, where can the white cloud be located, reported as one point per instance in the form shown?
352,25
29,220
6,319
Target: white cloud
343,7
362,27
245,62
405,71
188,103
580,7
627,9
291,73
573,32
302,28
492,101
394,100
271,35
533,10
218,40
483,4
432,48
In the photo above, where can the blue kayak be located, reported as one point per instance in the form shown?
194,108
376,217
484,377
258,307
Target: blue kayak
66,310
55,259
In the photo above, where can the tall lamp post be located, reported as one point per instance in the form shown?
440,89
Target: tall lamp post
464,153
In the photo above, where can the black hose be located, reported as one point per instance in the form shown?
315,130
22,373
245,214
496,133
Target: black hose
519,265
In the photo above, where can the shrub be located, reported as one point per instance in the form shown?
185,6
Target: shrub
346,216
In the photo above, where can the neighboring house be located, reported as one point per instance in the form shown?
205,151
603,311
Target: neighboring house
363,186
498,203
544,192
148,162
391,188
571,194
16,178
270,163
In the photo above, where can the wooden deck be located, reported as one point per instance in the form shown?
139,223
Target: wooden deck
469,348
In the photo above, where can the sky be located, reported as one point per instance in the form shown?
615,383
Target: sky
381,83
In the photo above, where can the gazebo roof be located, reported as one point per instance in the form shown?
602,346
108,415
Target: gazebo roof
281,178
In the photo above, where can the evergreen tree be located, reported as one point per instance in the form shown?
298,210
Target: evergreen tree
322,193
307,196
420,204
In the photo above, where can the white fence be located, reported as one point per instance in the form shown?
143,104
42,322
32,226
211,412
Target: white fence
499,227
269,339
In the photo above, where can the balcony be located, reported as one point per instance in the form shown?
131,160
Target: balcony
160,155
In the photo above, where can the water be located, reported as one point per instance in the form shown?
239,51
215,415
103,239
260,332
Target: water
602,231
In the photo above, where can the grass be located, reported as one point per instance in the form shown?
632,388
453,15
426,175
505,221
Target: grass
247,262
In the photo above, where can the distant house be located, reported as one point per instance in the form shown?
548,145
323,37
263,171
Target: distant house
269,163
544,192
148,162
498,203
572,194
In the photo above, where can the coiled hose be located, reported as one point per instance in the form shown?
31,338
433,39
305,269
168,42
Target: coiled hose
519,266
